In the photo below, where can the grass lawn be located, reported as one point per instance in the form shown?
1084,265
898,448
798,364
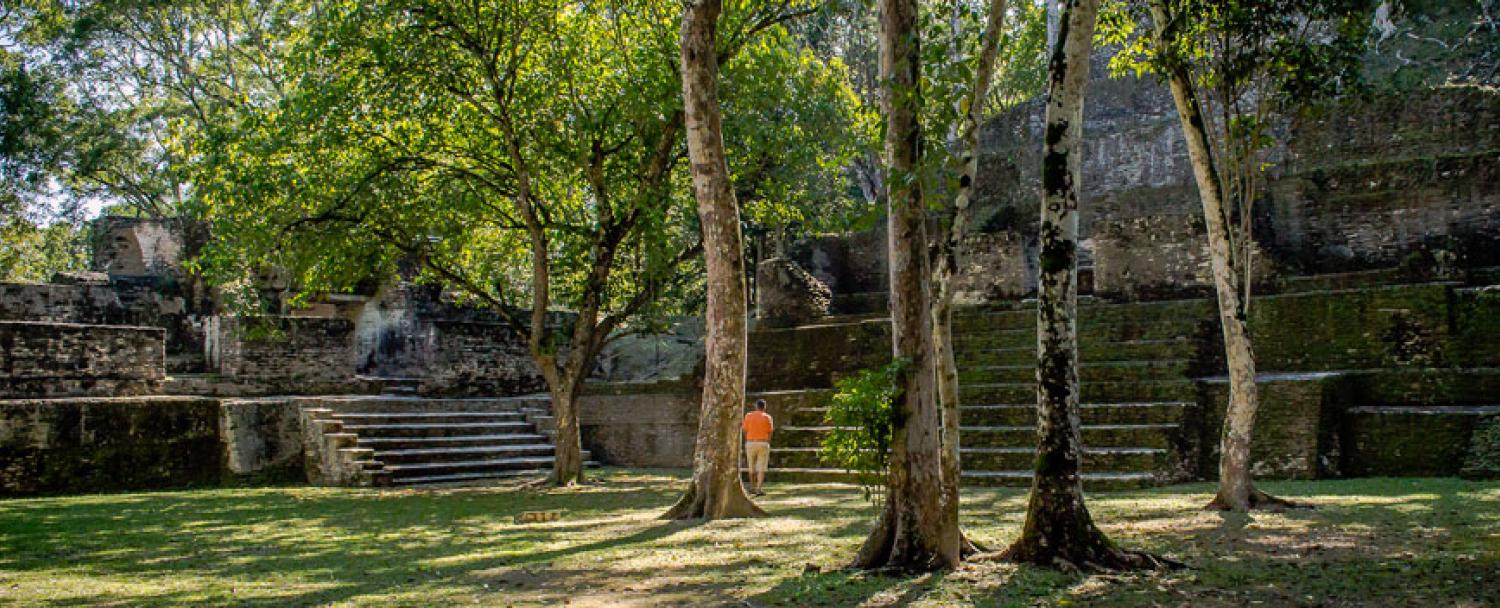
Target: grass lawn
1370,542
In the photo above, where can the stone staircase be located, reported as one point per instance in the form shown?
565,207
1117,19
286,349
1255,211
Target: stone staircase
1136,389
403,440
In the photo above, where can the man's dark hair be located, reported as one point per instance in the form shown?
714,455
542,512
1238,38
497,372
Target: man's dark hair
760,404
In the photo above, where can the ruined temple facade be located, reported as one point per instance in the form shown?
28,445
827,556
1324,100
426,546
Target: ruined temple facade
1376,319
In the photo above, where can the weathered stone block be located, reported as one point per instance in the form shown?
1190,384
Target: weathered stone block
814,356
785,294
1296,435
61,359
1410,440
262,438
289,349
50,446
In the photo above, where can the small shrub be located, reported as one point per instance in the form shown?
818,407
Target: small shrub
1483,461
860,415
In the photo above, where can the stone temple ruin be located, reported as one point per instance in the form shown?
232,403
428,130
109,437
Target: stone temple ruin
1376,323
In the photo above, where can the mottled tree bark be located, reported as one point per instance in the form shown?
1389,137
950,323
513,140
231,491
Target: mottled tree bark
567,466
1236,487
1059,531
947,269
910,534
716,490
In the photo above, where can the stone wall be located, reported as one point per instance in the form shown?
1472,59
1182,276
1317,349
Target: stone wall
813,356
136,246
262,439
847,264
60,359
291,350
1355,329
83,303
1296,427
1367,182
641,425
73,445
1364,183
1410,441
477,358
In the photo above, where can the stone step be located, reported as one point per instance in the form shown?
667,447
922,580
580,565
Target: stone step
1180,347
417,469
452,441
451,478
1128,459
1101,334
407,403
1102,459
1158,435
1104,317
466,477
1094,482
1114,371
1378,277
1097,391
1094,435
453,454
438,429
366,418
1164,412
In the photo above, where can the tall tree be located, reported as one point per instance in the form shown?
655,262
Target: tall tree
911,533
947,263
1253,61
716,490
1059,531
526,154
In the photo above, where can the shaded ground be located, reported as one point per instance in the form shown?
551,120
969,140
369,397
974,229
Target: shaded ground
1371,542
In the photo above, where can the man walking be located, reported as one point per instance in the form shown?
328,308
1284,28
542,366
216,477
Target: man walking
758,428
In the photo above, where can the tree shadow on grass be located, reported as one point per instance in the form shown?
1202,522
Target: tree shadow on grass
341,544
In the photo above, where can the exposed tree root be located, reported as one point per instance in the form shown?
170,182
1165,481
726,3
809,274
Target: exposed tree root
1256,501
695,504
1101,557
968,547
890,549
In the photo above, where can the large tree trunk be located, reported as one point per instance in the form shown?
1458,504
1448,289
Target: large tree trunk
567,465
716,490
1236,488
1059,532
947,270
910,534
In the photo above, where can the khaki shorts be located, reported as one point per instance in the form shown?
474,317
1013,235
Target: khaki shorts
758,453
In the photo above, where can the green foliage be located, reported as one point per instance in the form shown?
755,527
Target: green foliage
1483,461
861,414
159,76
32,254
951,35
483,140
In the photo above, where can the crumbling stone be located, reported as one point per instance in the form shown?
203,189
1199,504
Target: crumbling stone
788,295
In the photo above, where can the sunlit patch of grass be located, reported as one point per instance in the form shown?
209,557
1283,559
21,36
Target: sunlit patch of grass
1395,542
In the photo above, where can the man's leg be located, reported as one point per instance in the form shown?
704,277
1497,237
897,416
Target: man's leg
760,457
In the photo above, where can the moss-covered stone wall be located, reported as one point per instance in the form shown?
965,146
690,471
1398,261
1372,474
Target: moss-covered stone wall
813,356
50,446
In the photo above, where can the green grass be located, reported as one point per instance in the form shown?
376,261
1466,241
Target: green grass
1382,542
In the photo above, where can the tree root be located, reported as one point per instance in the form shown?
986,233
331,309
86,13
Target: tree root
1098,559
695,505
1257,501
968,547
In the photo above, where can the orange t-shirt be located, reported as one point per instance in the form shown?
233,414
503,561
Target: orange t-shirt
758,426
